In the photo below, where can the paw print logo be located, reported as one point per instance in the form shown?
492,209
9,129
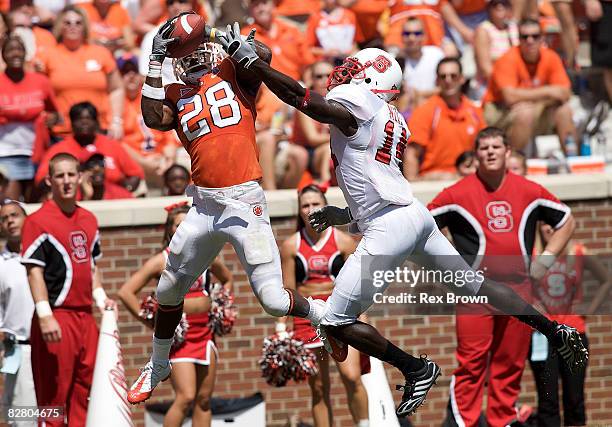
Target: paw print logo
258,210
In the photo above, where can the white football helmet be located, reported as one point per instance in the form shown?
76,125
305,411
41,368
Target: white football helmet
191,68
373,68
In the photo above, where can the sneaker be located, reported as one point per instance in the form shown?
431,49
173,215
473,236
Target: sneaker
151,375
337,349
568,343
416,387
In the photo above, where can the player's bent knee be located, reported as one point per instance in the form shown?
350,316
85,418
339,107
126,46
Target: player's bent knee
274,299
172,287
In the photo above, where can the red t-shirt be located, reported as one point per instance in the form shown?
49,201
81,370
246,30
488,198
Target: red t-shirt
497,223
118,163
20,105
66,247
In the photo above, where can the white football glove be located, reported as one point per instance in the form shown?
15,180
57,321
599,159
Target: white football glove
328,216
239,48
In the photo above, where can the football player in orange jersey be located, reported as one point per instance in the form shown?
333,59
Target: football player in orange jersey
213,112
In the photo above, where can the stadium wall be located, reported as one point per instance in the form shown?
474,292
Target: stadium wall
131,232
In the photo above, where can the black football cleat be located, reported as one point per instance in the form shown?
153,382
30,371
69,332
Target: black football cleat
417,386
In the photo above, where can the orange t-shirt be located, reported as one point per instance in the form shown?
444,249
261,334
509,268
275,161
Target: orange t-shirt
111,26
216,125
77,76
266,104
138,136
297,7
443,132
290,53
511,71
44,39
368,13
336,30
426,11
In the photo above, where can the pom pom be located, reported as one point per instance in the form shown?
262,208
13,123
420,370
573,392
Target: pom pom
285,359
223,312
148,308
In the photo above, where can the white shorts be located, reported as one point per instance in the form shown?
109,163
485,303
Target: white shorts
238,215
389,237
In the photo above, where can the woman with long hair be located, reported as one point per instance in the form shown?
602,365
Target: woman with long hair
194,363
310,262
82,71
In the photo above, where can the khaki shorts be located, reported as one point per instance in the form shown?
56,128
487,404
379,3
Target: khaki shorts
503,117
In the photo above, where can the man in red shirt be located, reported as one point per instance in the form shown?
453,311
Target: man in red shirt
492,217
121,169
529,90
60,249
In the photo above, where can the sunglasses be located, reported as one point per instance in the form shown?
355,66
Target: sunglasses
320,76
453,76
536,36
170,2
73,23
412,33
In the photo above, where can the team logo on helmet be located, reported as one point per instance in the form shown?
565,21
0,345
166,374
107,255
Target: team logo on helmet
381,63
257,210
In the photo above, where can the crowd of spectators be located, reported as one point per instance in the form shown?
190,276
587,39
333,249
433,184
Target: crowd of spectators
72,71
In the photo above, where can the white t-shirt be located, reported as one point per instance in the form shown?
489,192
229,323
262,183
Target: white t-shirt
368,164
421,74
16,304
143,62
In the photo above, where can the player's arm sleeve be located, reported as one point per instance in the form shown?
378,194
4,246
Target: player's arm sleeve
440,208
551,210
355,100
33,240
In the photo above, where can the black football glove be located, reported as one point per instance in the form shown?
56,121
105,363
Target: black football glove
162,40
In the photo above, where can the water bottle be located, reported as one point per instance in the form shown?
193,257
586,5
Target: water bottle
571,149
585,146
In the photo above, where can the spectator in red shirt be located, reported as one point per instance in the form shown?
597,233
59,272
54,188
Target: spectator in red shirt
120,167
93,182
24,97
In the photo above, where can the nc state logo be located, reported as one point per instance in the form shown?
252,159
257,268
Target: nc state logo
500,216
258,210
78,244
317,263
381,63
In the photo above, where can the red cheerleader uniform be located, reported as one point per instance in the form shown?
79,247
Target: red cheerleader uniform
315,263
199,343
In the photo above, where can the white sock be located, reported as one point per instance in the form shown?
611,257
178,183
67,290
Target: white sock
316,312
363,423
161,349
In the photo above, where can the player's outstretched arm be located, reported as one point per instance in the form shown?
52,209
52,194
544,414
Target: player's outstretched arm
157,114
283,86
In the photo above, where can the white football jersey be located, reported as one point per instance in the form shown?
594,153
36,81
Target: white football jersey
369,163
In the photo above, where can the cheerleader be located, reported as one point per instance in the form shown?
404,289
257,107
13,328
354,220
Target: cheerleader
194,360
310,262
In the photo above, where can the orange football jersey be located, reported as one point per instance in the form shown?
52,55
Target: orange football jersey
216,125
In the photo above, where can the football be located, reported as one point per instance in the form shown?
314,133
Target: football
189,29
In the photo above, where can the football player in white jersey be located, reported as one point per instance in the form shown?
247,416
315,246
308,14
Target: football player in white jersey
368,137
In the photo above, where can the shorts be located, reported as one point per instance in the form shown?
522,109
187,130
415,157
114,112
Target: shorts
19,168
303,330
601,38
503,117
198,347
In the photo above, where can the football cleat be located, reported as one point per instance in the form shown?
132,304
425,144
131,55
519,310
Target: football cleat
416,387
568,343
152,374
337,349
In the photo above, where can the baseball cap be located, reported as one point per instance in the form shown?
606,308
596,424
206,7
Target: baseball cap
4,172
127,62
